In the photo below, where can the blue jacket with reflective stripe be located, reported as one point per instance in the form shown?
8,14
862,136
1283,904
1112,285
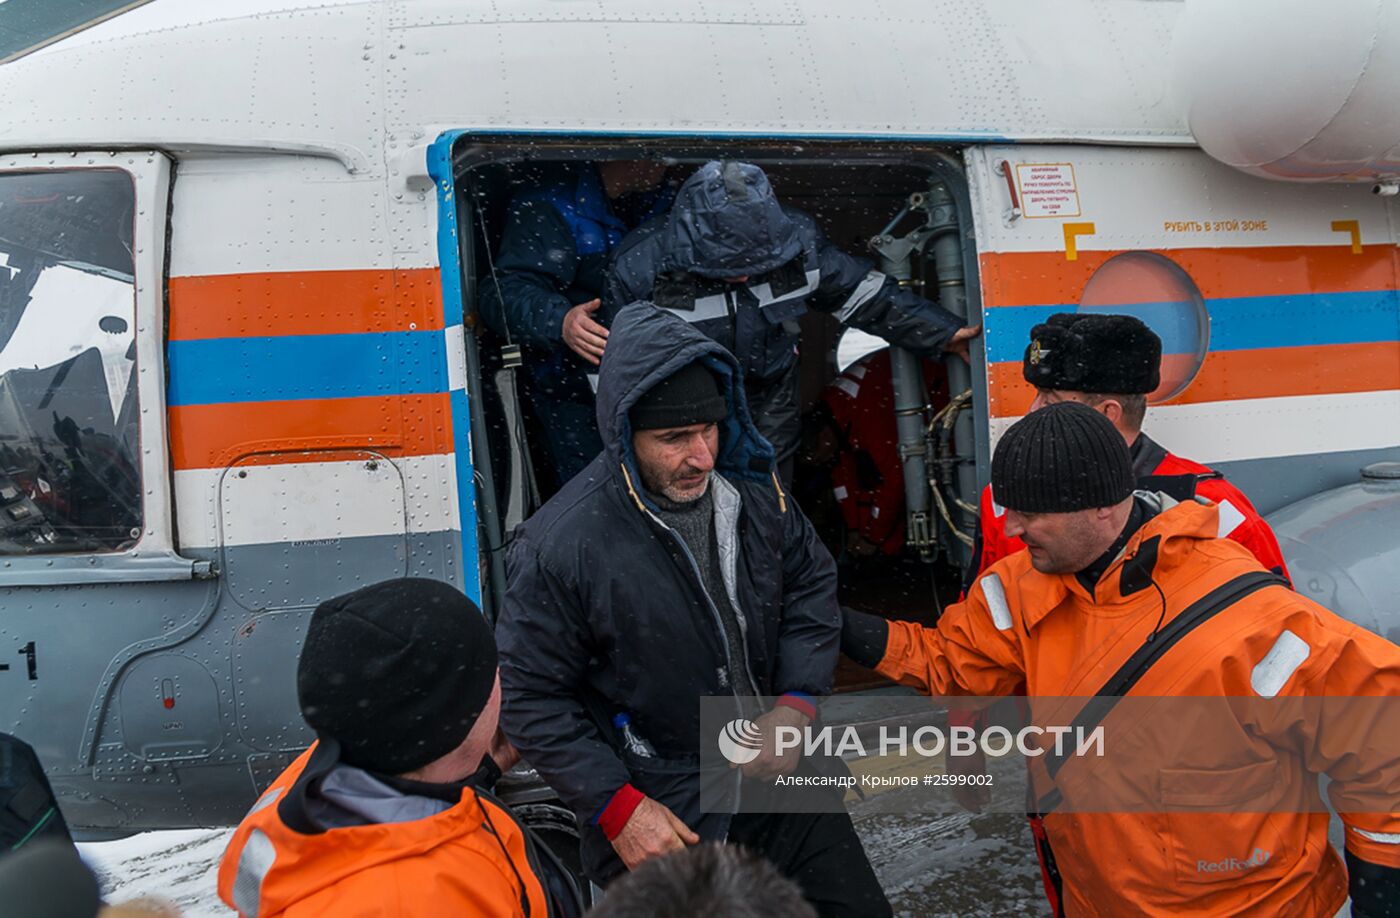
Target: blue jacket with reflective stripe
727,222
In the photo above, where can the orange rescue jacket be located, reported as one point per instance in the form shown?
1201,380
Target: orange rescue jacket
1023,632
469,860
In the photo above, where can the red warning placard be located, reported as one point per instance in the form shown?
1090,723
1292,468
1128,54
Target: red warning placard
1048,190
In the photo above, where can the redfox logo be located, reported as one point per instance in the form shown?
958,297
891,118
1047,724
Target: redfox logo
1258,858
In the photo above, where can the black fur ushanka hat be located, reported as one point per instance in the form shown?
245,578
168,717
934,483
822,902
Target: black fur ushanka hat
1093,352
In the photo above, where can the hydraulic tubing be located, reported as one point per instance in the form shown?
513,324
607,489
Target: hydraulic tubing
952,295
910,397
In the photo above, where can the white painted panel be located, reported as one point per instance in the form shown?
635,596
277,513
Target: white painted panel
308,504
339,74
235,215
1155,198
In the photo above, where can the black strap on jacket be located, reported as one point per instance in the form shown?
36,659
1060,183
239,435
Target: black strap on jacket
1146,656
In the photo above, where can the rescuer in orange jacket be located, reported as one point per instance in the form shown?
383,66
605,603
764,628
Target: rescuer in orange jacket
387,813
1112,578
1111,363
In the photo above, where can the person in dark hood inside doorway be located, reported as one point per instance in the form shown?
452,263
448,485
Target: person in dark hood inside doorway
742,268
674,567
544,292
389,812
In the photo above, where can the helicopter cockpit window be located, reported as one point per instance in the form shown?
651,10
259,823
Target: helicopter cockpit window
70,479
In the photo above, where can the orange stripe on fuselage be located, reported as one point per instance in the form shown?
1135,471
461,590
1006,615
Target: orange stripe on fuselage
1048,278
212,436
1230,375
304,303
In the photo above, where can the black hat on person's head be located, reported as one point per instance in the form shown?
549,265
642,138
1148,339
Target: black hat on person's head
691,395
1094,352
47,879
1063,458
397,673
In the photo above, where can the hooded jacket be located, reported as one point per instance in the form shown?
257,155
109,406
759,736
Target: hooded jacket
605,611
1044,635
727,222
387,854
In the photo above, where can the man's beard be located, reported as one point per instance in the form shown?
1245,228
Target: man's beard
674,493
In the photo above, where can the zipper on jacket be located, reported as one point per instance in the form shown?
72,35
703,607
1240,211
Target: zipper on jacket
709,601
739,615
723,636
719,620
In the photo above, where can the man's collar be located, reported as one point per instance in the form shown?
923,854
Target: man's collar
1146,455
1089,578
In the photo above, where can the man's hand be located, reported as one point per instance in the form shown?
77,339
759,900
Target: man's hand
502,752
587,337
651,831
958,344
769,764
971,797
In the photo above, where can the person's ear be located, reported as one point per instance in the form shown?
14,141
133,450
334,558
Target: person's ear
1112,409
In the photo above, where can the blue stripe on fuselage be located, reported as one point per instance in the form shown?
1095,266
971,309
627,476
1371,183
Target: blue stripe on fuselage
1236,323
218,370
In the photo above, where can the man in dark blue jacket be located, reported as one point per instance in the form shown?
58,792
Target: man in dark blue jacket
674,568
741,267
546,287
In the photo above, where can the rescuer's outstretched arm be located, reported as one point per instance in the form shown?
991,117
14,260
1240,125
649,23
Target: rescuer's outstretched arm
972,651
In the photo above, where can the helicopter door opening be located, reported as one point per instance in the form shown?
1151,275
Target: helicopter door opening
907,214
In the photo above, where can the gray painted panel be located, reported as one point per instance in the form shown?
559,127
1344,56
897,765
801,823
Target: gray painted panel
302,573
102,651
1343,549
265,653
169,708
1278,482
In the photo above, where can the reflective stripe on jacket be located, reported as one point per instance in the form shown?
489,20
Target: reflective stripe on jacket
471,859
1023,632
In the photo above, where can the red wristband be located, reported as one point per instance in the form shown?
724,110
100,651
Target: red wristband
614,816
798,703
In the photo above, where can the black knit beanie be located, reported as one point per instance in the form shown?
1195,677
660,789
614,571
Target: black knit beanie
1062,458
688,396
397,673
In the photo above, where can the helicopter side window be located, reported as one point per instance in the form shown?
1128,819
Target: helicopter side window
70,479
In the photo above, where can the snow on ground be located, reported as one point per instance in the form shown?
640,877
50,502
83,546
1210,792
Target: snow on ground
930,866
179,867
954,865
